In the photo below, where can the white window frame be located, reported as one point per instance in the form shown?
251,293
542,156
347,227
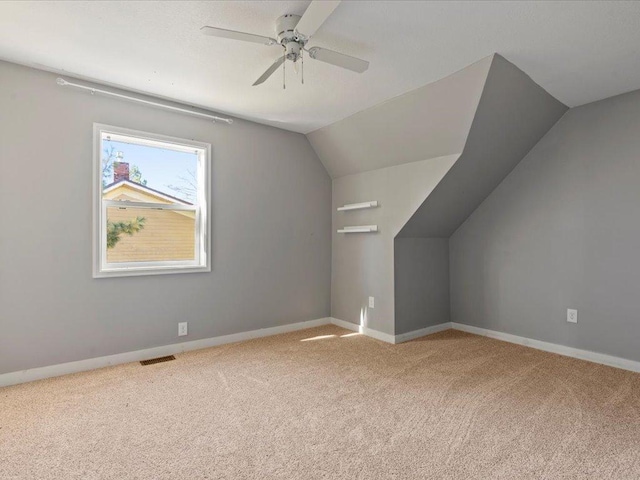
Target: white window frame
202,262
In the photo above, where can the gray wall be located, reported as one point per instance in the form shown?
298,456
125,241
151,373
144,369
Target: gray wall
362,264
421,283
396,153
513,114
561,231
271,245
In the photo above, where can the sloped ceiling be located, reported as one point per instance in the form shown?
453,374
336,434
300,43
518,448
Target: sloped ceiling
431,121
577,51
514,113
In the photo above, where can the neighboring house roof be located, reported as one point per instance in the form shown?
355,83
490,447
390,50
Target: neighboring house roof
144,190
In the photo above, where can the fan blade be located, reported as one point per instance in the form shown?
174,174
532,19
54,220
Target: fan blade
338,59
269,71
315,15
233,35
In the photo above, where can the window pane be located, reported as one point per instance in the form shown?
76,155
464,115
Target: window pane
143,173
152,194
149,235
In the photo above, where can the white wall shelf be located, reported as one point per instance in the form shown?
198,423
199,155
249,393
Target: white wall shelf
360,229
358,206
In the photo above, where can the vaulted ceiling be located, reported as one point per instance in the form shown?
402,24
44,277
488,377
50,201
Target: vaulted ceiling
428,122
512,115
577,51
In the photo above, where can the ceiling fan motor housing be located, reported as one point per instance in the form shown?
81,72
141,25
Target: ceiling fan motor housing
286,27
287,36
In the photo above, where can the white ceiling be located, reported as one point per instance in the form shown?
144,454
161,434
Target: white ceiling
578,51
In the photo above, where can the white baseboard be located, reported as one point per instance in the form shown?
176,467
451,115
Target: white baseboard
369,332
601,358
348,325
405,337
385,337
587,355
32,374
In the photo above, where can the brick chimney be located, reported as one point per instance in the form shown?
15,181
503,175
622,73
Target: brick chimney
120,171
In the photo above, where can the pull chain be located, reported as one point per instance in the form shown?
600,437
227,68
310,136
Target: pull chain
284,68
302,60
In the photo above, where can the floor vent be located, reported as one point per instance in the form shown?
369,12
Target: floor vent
157,360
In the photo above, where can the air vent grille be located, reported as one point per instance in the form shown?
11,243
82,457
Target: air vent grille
157,360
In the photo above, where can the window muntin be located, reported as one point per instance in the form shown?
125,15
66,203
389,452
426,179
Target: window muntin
151,198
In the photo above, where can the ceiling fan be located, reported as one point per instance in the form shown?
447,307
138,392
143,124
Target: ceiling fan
292,34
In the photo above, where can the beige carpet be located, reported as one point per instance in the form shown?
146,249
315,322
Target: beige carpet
338,406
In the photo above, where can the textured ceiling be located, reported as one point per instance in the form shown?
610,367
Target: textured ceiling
578,51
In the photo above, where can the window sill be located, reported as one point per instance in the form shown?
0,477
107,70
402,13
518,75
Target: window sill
140,271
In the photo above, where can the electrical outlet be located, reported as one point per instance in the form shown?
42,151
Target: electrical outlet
182,329
372,303
572,315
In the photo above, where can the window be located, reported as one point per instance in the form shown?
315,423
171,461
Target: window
151,199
